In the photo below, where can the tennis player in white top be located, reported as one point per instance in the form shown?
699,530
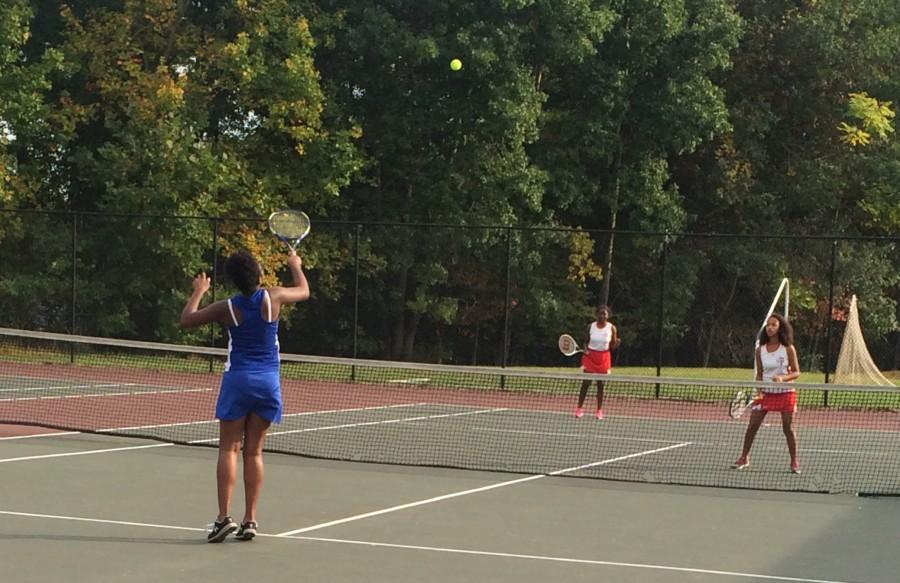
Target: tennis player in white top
776,362
603,338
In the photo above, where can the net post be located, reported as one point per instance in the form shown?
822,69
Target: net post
832,268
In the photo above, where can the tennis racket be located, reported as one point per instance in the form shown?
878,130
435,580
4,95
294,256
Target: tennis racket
289,226
740,402
568,346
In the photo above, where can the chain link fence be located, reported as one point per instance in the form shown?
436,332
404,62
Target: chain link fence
485,295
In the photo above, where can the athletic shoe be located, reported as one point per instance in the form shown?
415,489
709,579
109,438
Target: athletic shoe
599,414
220,529
247,531
795,467
741,463
579,412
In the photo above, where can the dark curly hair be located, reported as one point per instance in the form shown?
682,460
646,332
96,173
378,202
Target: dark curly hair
785,331
244,271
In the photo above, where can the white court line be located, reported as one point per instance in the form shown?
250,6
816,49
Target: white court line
740,423
160,426
100,386
701,443
126,394
412,419
100,431
271,433
568,560
307,413
593,562
58,433
840,451
356,409
409,381
101,521
476,490
88,452
579,435
384,422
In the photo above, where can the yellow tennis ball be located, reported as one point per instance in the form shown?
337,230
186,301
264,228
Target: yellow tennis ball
456,64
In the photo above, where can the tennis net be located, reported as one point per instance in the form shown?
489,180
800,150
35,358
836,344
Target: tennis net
660,430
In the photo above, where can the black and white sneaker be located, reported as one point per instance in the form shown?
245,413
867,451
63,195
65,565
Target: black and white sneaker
247,531
220,529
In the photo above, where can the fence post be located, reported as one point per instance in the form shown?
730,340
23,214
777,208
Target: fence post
215,279
508,297
506,304
664,261
830,316
74,290
355,298
215,274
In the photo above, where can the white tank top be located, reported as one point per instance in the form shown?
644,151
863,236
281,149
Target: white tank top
774,364
600,337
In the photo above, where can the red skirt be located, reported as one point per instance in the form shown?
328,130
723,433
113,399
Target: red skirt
596,361
781,402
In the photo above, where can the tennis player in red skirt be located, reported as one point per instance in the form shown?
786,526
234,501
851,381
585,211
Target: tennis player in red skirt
597,358
776,362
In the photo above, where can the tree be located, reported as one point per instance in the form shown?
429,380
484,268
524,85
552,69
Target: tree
173,108
440,146
643,94
786,168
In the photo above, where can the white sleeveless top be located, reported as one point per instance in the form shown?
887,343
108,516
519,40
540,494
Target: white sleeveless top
600,337
774,364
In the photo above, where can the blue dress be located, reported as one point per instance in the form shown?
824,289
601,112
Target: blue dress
251,382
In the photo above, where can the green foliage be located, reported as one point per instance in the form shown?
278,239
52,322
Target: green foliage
874,116
166,107
581,264
652,116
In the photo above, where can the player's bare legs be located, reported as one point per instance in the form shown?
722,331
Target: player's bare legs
787,425
231,434
582,395
756,419
256,428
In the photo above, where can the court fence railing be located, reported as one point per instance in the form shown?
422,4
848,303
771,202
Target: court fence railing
491,292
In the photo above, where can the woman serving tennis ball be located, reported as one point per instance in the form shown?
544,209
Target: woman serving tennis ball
250,394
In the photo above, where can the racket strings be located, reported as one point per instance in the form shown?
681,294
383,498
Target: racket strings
567,345
289,225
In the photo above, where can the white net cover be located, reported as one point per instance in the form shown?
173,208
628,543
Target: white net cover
855,365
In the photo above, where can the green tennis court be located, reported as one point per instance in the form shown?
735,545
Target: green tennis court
386,471
81,508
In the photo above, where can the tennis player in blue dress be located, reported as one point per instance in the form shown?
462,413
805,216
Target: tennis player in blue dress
250,394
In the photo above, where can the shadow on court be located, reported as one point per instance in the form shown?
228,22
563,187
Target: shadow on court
36,538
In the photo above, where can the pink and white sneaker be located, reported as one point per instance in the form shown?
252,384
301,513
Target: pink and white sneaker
579,412
741,463
795,467
599,414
